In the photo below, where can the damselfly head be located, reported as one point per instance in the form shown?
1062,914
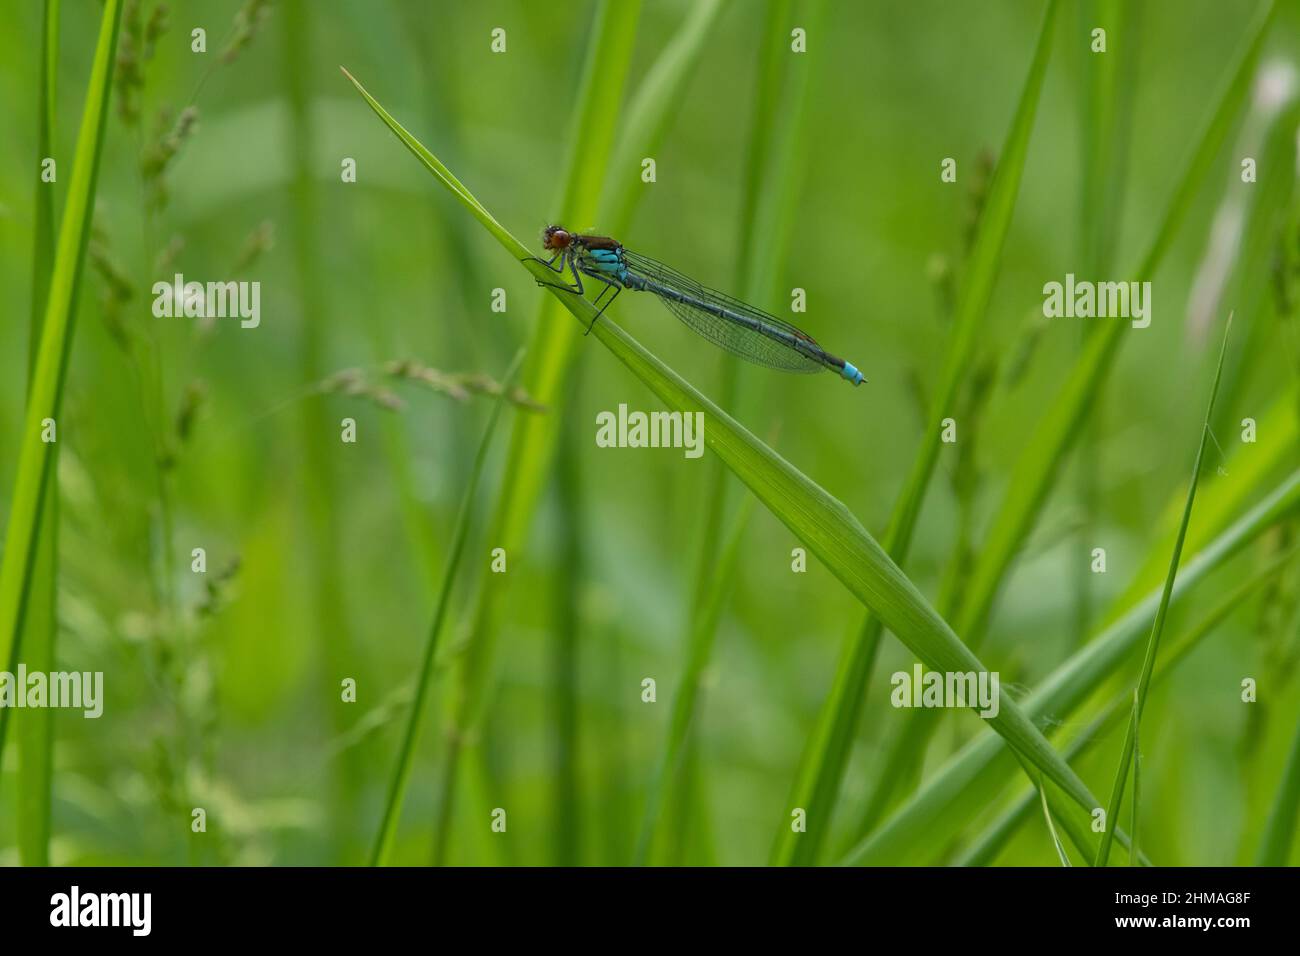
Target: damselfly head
556,237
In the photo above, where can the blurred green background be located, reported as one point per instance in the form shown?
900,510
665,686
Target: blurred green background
223,690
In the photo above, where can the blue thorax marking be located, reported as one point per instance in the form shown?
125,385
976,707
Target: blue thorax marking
609,261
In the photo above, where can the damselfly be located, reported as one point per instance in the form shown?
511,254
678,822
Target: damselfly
739,328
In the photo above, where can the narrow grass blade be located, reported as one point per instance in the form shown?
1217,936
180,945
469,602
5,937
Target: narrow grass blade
651,110
649,114
34,729
532,443
773,174
1106,100
1137,767
1033,477
985,848
1279,831
321,489
1106,109
1270,214
43,236
822,522
46,394
1248,469
699,648
1051,827
1034,474
770,184
1072,819
419,706
821,771
550,350
1273,213
922,827
1153,642
565,639
757,169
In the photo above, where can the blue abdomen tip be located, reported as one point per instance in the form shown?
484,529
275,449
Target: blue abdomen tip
852,374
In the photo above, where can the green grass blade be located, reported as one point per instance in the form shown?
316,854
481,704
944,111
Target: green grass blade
818,780
1107,96
565,640
919,830
1279,831
699,648
34,729
415,718
322,490
1058,428
1270,214
532,443
1153,642
822,522
1106,110
1247,471
549,353
43,237
1137,793
1253,464
1072,819
1034,474
1051,827
758,166
985,848
770,185
46,394
650,112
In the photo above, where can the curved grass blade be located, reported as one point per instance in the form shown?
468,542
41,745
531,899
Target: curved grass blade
822,522
1153,642
415,716
919,830
821,770
985,848
45,397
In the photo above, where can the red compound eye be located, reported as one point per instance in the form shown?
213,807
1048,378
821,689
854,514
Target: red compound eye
556,238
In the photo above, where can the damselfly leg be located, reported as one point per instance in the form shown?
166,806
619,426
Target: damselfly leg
553,266
609,284
561,261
